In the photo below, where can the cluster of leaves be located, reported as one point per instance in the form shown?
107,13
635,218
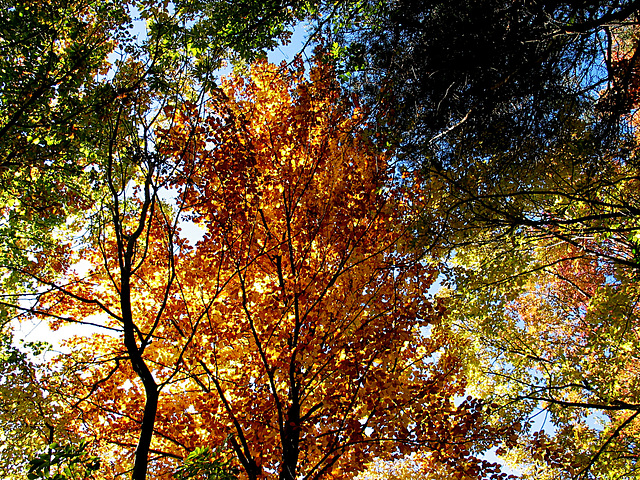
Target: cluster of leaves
69,462
203,463
29,416
51,55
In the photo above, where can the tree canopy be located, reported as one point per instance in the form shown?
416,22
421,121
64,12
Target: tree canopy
400,256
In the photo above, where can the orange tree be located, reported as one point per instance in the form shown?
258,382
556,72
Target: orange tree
78,90
295,335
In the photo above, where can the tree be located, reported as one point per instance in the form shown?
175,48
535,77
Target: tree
64,134
58,62
297,328
115,147
542,268
503,72
554,330
517,120
51,56
281,338
29,419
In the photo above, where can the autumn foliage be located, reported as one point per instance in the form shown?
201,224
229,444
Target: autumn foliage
296,335
413,254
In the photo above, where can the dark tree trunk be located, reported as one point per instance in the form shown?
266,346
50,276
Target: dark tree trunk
291,443
150,387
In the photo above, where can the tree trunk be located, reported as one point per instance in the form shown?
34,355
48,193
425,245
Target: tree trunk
150,387
291,443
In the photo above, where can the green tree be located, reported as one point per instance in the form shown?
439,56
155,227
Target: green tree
30,419
52,54
541,264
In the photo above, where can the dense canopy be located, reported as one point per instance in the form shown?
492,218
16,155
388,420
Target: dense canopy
410,252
